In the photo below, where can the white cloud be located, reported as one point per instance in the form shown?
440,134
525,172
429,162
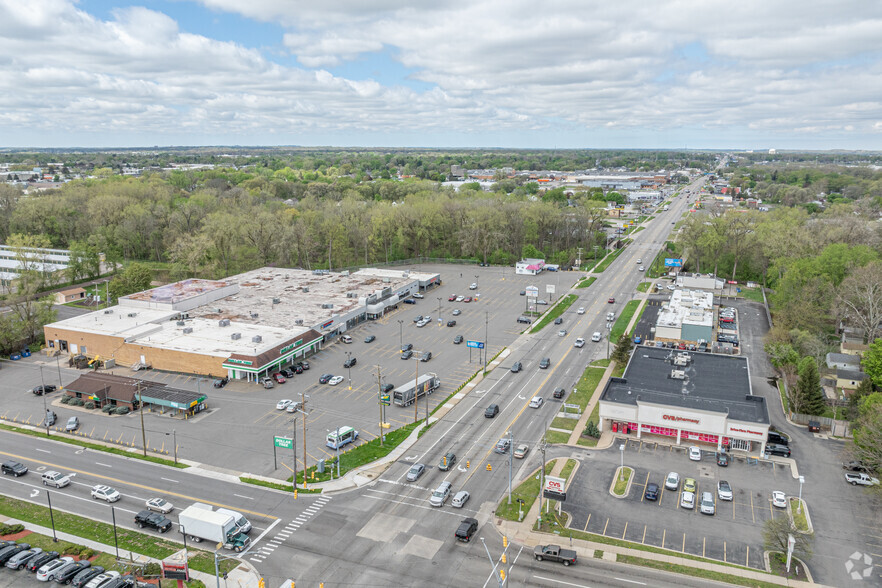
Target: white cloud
566,68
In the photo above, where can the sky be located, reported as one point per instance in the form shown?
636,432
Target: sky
698,74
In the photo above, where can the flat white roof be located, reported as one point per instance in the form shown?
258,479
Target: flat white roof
693,307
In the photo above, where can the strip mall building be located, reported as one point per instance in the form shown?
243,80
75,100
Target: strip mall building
686,396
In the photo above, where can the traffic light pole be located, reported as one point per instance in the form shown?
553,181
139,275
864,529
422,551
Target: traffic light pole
490,557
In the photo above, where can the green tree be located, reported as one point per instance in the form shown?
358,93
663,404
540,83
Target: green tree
867,441
808,388
623,349
134,278
872,362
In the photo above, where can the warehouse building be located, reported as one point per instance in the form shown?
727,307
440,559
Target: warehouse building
684,396
243,327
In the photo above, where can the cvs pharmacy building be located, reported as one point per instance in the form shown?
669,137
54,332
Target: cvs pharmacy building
691,396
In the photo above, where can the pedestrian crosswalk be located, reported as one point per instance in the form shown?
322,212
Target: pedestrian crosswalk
283,534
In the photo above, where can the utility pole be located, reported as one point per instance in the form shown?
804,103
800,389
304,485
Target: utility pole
45,408
141,411
542,448
416,388
303,398
510,453
486,342
380,401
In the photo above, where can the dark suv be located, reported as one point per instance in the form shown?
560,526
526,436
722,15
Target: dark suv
350,362
543,365
39,390
777,438
524,319
558,393
407,347
466,529
779,450
517,366
491,411
13,467
154,520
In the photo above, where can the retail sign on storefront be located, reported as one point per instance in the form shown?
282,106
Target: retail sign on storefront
748,431
680,419
239,361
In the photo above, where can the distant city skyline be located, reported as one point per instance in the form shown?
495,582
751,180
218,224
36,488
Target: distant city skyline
446,74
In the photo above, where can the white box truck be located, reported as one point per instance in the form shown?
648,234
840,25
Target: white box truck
198,524
241,522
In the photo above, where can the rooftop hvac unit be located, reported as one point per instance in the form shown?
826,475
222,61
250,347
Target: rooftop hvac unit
256,339
188,330
306,289
236,336
352,295
277,301
327,305
180,323
108,311
254,315
298,322
678,375
682,359
132,314
386,280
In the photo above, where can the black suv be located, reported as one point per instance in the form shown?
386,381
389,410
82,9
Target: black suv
447,461
407,354
491,411
324,378
457,340
407,347
451,323
543,365
651,491
558,393
524,319
778,438
466,529
387,388
40,390
517,366
350,362
288,373
13,467
154,520
779,450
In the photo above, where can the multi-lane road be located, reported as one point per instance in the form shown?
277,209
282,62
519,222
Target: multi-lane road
386,533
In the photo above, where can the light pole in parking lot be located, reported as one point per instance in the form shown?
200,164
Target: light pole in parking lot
400,335
476,281
349,367
439,311
45,408
622,469
801,482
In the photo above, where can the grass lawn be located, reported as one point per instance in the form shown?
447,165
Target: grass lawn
638,229
568,469
622,481
643,286
594,417
600,362
95,446
586,387
783,394
557,437
694,572
558,309
585,282
562,423
623,320
754,294
799,518
608,260
150,545
528,491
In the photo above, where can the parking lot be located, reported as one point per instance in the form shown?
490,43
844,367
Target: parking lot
733,534
242,418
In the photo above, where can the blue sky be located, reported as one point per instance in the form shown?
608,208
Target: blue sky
446,73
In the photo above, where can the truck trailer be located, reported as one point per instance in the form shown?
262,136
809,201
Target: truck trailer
406,395
198,523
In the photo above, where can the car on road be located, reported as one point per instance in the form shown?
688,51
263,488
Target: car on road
536,402
73,423
460,498
707,503
145,518
558,393
457,312
641,268
56,479
687,500
722,459
441,494
502,446
467,528
370,338
457,340
13,468
639,260
521,450
546,361
581,310
672,481
447,461
861,479
689,485
491,411
596,336
652,491
724,490
325,378
283,404
106,493
335,380
579,342
288,373
279,378
779,499
523,292
451,323
159,505
558,321
562,333
611,300
415,471
407,354
40,390
350,361
517,366
695,453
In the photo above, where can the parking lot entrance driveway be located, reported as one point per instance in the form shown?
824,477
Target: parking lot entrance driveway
732,535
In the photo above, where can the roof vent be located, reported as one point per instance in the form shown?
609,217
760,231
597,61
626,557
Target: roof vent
298,322
306,289
254,315
256,339
108,311
180,323
132,314
236,336
678,375
277,301
188,330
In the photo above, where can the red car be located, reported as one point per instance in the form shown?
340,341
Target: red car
612,300
452,298
279,378
467,299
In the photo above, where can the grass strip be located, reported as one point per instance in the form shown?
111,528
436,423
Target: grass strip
558,309
694,572
562,423
585,387
623,320
149,545
622,478
783,394
95,446
643,286
600,362
754,294
608,260
557,437
568,469
528,491
585,282
799,518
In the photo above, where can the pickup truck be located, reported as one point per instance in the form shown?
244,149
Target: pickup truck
554,553
466,529
862,479
154,520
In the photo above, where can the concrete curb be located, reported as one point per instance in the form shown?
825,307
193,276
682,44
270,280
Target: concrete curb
615,479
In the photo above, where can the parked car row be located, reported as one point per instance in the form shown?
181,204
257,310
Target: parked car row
48,566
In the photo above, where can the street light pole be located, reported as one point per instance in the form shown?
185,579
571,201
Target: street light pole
400,335
45,408
486,342
510,453
622,452
801,482
337,450
439,311
141,411
349,367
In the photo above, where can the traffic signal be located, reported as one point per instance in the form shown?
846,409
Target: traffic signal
295,493
444,461
502,575
468,463
261,583
504,541
503,558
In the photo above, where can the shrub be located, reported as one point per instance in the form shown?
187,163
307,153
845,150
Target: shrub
122,410
10,529
90,405
106,408
592,431
77,402
66,399
87,553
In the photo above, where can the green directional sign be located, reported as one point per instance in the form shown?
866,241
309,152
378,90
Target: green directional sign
384,399
283,442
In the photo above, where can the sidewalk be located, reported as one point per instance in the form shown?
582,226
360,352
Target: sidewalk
244,576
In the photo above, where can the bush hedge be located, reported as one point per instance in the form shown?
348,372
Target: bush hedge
90,405
122,410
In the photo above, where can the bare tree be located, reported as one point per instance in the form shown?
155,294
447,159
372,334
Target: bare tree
859,298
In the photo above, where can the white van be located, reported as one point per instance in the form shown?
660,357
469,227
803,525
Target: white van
346,339
340,437
441,494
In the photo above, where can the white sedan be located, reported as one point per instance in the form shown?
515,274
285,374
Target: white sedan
695,453
779,499
536,402
335,380
581,310
283,404
641,268
160,505
580,342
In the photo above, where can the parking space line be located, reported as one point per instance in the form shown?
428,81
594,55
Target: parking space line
752,513
586,522
683,549
644,535
724,551
625,531
606,525
747,557
703,545
664,532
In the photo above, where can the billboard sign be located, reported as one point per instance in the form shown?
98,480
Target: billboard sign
283,442
549,289
532,291
673,262
475,344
